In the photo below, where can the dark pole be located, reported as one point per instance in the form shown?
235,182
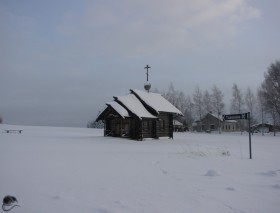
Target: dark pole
250,146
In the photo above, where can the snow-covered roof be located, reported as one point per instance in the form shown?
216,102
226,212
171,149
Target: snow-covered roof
135,106
230,121
177,123
215,116
156,101
220,118
262,124
119,109
141,104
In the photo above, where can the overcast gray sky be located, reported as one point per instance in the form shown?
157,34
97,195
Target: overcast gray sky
61,60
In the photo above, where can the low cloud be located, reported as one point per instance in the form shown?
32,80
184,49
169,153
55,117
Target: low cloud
155,27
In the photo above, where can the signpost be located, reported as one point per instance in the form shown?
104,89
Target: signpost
245,116
235,116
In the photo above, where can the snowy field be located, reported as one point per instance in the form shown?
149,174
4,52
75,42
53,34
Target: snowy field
70,170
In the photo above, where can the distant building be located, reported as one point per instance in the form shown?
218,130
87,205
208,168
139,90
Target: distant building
139,115
262,127
211,122
229,126
178,126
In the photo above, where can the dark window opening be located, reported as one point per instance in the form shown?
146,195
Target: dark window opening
162,124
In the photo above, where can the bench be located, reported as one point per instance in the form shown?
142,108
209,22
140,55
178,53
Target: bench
14,130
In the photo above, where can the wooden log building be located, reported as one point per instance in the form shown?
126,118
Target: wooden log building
139,115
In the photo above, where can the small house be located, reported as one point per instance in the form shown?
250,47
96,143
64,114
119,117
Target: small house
211,122
262,127
139,115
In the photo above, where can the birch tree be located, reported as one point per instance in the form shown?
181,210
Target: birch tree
218,103
197,103
170,95
188,113
237,101
250,101
207,103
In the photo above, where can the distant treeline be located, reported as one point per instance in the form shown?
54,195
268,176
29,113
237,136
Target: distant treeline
95,124
263,104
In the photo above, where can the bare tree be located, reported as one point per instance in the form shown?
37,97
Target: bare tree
261,108
198,103
217,103
268,113
207,104
275,119
270,88
188,113
251,102
270,92
176,97
1,119
237,101
171,94
183,103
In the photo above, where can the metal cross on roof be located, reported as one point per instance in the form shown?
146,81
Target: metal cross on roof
147,73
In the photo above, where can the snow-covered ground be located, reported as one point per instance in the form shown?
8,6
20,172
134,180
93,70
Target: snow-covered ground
52,169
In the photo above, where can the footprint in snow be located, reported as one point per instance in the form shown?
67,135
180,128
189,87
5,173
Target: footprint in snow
230,189
276,186
212,173
56,197
164,171
156,162
102,210
235,210
270,173
120,204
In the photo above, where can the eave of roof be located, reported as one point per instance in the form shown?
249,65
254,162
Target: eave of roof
119,109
